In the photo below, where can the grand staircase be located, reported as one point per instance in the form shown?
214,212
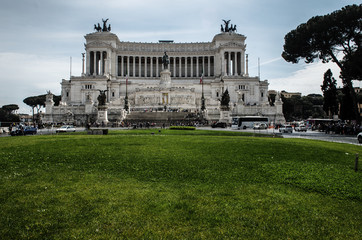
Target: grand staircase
157,117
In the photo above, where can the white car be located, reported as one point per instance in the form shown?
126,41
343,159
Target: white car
65,128
359,137
260,126
301,128
286,129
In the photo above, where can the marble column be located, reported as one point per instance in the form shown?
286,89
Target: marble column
95,70
247,65
174,67
134,66
157,71
139,66
101,64
180,67
208,66
203,65
192,66
128,67
229,65
146,67
185,66
122,67
88,63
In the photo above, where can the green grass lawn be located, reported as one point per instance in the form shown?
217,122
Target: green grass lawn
178,185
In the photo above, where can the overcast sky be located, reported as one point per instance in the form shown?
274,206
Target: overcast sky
38,37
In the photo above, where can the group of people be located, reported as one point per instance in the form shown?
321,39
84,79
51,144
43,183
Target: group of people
339,128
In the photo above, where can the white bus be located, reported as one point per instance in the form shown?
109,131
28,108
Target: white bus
247,121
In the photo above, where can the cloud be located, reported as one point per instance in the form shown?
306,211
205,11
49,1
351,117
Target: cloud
25,75
307,80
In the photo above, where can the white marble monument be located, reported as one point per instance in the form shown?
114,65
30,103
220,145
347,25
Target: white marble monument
139,68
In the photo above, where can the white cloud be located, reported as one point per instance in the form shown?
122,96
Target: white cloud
307,80
24,75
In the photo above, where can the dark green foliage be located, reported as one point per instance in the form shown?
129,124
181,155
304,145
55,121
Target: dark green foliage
8,118
346,112
299,108
10,108
329,89
271,99
326,37
35,101
57,99
351,65
6,114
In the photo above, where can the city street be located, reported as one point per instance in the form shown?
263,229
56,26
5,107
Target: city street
307,135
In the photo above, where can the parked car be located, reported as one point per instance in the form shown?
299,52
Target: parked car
65,128
286,129
23,130
359,137
218,125
300,128
30,130
260,126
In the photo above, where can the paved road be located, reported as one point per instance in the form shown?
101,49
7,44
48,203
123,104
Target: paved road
324,137
307,135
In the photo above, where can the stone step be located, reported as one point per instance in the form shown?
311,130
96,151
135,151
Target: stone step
157,116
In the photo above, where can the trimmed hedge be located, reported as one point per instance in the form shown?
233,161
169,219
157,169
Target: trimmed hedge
182,128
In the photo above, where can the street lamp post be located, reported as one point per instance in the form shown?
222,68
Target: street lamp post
202,94
126,107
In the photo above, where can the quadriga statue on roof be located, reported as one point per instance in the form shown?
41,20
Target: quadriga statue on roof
98,28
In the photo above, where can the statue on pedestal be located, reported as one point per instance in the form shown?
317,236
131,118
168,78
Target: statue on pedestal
165,61
225,100
102,97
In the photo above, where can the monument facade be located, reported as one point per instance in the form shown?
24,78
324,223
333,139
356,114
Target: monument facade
163,77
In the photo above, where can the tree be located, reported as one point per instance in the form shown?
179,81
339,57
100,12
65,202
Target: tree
329,38
57,99
10,108
6,113
329,89
347,112
271,99
298,108
35,102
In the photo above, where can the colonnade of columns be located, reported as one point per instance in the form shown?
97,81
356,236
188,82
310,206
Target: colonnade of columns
233,63
96,62
143,66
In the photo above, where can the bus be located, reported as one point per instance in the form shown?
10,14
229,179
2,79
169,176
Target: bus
247,121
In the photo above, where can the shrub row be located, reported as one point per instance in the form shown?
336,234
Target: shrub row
182,128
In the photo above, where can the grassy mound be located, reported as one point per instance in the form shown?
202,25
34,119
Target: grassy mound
178,185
